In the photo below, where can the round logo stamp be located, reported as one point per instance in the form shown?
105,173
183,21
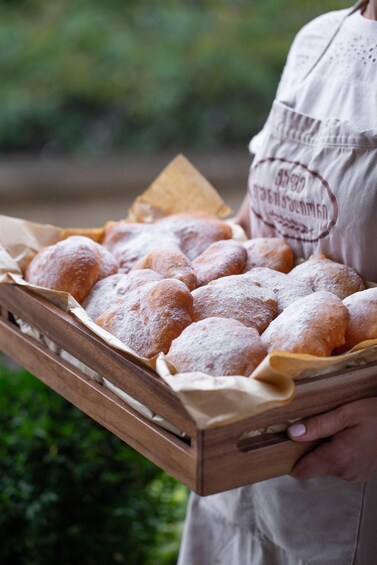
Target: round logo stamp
294,200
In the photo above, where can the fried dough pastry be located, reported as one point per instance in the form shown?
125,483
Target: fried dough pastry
149,317
108,264
220,259
72,265
271,252
286,289
195,231
324,274
171,264
130,242
217,347
315,324
362,307
106,291
236,297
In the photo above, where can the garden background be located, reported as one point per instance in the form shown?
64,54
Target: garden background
95,98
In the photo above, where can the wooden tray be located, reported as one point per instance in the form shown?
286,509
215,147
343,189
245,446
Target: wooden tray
208,461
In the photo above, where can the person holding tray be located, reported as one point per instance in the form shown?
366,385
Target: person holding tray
318,149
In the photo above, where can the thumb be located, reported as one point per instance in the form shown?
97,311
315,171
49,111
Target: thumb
318,427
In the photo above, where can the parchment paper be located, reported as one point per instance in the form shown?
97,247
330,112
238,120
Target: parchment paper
210,401
179,188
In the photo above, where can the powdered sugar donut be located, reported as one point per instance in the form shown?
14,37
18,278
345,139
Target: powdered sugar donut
286,289
362,307
72,265
315,324
130,242
195,231
236,297
106,292
217,347
321,273
220,259
170,263
271,252
149,317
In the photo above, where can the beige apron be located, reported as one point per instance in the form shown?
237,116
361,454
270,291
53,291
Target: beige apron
324,521
313,182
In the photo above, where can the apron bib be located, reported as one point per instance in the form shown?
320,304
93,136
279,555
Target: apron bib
314,182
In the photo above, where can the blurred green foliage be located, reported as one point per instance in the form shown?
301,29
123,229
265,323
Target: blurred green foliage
92,76
71,492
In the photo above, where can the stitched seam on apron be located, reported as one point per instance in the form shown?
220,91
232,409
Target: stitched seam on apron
359,525
322,142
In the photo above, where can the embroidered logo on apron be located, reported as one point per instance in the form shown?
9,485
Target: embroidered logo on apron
294,200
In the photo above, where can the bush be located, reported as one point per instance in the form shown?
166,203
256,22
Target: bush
71,492
91,76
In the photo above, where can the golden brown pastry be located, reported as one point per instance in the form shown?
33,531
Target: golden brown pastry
362,307
236,297
271,252
220,259
108,264
315,324
286,289
195,231
321,273
107,291
72,265
171,264
217,347
149,317
130,242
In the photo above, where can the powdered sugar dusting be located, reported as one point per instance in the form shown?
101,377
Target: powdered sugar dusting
108,263
106,291
170,263
220,259
315,324
218,347
286,289
71,265
130,242
324,274
195,231
150,316
362,307
271,252
236,297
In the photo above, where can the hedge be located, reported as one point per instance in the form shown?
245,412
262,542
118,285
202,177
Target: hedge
71,492
94,77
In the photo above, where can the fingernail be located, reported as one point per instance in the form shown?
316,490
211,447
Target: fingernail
297,430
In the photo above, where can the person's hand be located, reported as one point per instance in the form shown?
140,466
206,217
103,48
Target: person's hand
350,452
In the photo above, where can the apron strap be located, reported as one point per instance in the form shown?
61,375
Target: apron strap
352,10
